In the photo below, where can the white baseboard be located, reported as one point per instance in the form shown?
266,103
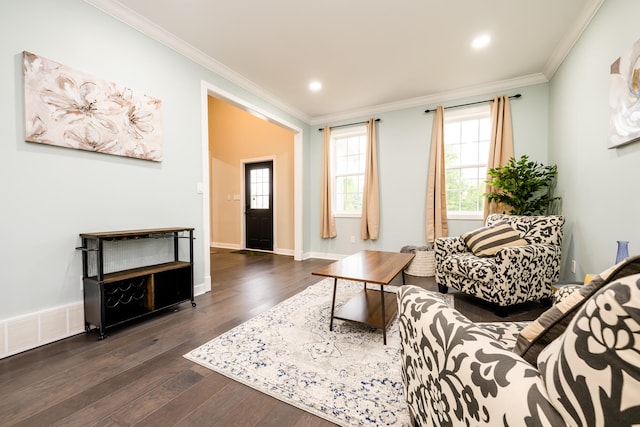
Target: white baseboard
202,288
324,255
285,252
277,251
33,330
226,246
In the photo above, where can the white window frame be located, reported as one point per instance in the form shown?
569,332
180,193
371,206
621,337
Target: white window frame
458,115
336,134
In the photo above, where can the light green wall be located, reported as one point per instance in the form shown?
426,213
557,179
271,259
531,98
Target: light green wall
404,138
598,185
49,194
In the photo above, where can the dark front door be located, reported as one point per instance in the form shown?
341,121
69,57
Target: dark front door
258,178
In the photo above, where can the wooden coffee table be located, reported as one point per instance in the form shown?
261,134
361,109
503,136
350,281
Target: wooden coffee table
370,306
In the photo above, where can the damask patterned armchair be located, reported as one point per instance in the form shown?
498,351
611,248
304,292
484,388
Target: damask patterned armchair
586,371
513,274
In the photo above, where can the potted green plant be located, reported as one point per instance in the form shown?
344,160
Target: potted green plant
524,187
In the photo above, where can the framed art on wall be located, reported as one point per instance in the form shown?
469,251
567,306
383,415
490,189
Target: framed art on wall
68,108
624,98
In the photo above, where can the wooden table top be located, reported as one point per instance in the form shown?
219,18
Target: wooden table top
133,233
368,266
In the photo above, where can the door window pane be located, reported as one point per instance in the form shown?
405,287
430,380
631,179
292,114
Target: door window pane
259,183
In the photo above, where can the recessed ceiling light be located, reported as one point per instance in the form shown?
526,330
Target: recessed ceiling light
315,86
481,41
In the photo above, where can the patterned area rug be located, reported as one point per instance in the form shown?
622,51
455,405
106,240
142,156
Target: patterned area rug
346,376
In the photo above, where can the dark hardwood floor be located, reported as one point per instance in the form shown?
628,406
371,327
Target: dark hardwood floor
137,376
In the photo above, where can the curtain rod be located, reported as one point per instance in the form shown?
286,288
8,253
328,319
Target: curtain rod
349,124
472,103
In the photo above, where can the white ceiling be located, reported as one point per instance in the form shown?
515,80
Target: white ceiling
370,55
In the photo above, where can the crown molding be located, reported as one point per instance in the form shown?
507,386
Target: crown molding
124,14
571,37
437,98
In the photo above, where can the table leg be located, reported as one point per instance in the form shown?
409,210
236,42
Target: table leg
333,302
384,318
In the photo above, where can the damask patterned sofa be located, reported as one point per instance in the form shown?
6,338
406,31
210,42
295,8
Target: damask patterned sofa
576,365
507,274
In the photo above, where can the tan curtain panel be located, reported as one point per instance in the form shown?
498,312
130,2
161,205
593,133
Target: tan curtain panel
500,145
437,225
370,220
328,223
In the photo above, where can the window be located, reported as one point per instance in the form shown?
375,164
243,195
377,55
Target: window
466,149
348,154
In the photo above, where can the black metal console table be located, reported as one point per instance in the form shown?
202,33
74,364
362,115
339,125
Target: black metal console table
123,281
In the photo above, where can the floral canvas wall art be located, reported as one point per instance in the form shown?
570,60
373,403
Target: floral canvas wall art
624,98
68,108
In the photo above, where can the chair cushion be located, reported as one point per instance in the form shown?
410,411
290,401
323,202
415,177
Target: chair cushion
553,322
486,241
592,371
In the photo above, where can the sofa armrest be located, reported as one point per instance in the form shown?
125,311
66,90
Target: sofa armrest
529,270
456,374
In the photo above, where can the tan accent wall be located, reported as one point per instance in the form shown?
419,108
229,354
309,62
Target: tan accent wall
236,136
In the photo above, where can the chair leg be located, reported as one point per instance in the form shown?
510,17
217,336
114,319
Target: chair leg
546,302
443,289
501,311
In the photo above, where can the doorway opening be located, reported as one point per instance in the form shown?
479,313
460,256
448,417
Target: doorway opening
209,89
